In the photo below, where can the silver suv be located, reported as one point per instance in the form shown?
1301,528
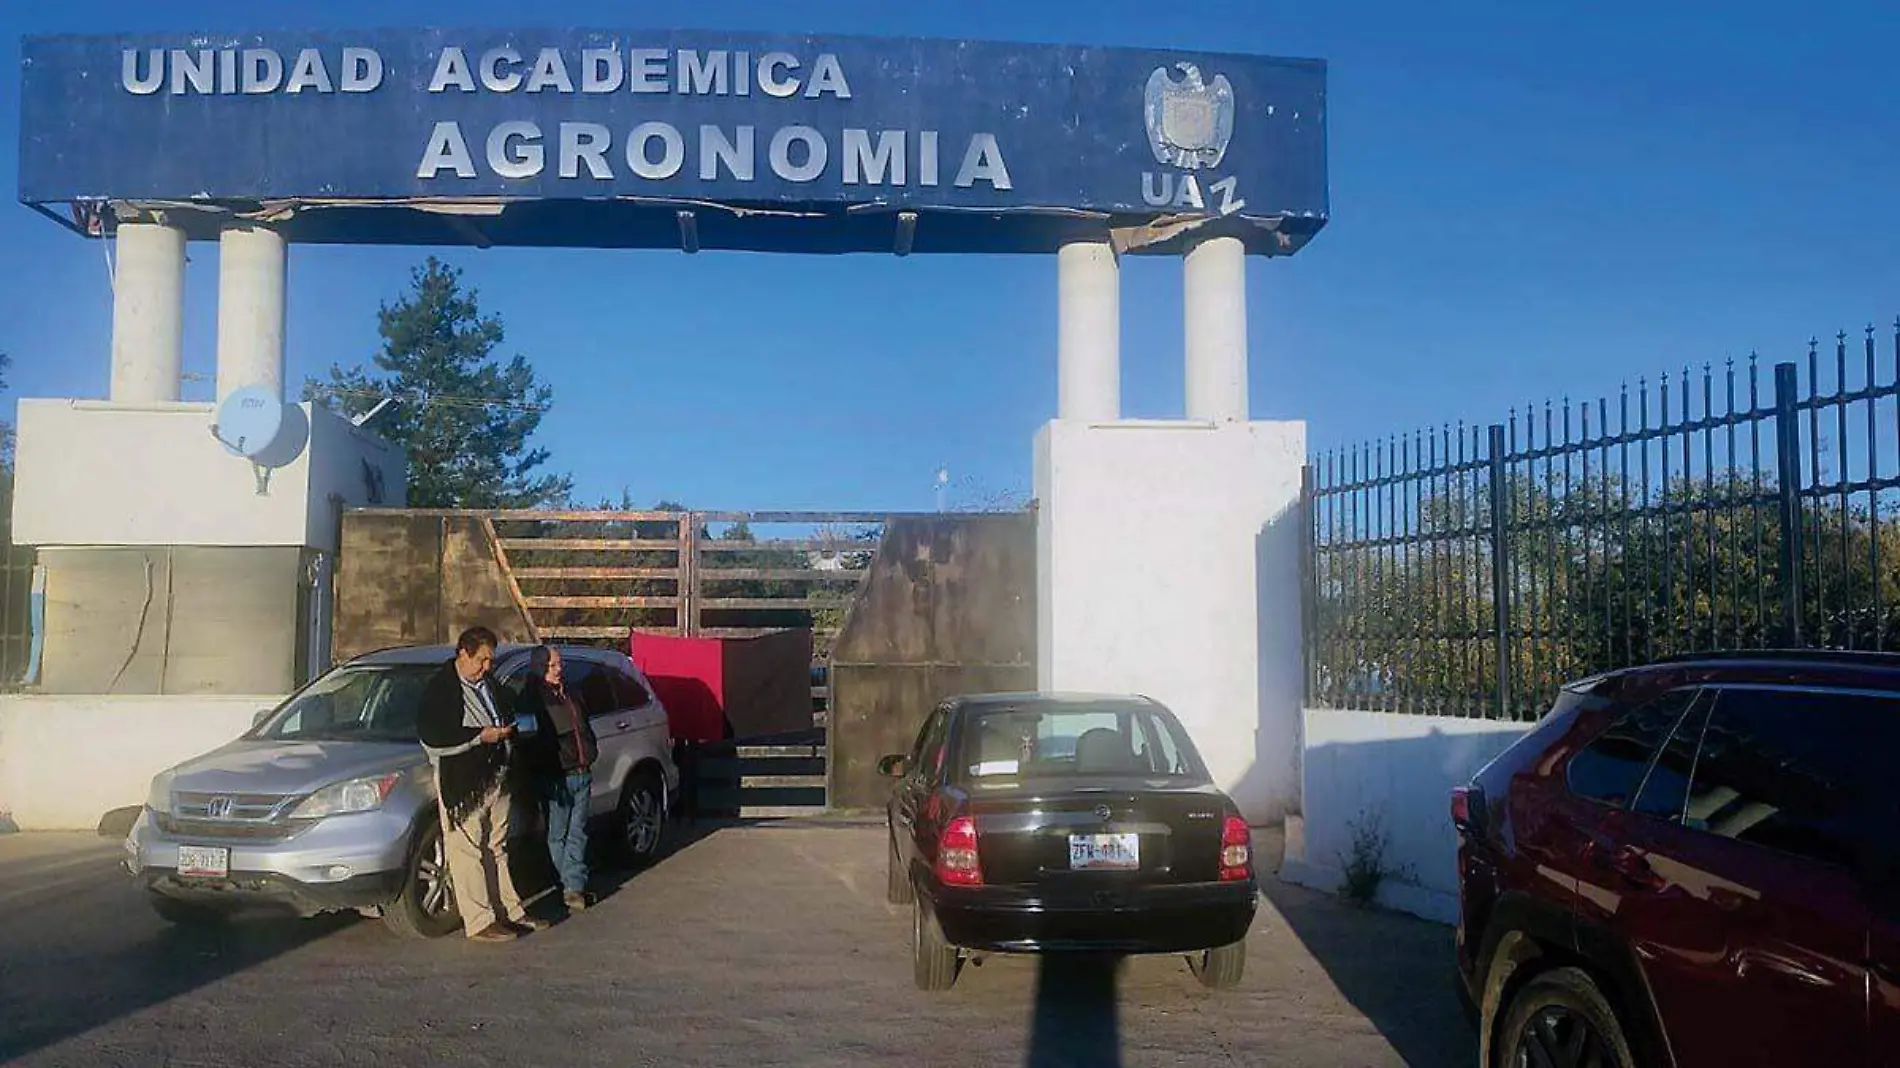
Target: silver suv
328,803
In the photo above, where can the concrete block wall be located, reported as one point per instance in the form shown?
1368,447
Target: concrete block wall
67,761
1399,769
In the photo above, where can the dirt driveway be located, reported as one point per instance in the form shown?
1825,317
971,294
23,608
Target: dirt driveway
753,946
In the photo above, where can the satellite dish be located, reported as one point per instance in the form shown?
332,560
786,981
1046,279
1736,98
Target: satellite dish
249,420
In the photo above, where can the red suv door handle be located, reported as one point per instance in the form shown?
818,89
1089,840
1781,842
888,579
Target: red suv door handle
1625,861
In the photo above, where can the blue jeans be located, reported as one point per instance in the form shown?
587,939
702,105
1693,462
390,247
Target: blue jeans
567,827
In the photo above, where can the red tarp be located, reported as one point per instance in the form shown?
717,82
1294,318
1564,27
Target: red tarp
715,688
688,677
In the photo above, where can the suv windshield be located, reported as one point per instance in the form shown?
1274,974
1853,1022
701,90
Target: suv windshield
1077,740
368,703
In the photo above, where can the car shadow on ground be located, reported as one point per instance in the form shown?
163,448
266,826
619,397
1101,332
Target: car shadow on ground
1397,970
55,993
1076,1022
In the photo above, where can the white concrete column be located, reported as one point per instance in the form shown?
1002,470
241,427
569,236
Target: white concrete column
1216,313
251,267
1088,333
148,313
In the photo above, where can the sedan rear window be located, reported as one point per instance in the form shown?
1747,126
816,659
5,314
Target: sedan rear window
1079,740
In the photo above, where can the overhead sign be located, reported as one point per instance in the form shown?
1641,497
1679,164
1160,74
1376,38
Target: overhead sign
1034,140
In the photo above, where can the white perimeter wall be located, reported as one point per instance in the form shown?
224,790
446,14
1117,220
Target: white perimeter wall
1168,564
1401,768
98,473
67,761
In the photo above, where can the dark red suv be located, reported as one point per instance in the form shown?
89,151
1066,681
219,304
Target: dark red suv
1693,864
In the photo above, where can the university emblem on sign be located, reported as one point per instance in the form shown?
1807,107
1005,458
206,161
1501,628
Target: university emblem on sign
1190,120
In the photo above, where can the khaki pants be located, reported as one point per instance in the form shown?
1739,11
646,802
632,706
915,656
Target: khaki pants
478,864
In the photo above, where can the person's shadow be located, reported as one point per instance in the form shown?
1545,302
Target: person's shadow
1076,1021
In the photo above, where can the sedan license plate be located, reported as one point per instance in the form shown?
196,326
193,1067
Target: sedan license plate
212,861
1104,852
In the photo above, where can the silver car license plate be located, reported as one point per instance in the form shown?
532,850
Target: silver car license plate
211,861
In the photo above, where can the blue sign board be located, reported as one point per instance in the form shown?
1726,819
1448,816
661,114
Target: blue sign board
643,139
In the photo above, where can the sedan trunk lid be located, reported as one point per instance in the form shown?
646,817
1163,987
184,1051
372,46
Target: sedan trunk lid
1098,830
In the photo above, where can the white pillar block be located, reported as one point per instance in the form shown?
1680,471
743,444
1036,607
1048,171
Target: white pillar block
148,313
1212,627
251,268
1089,333
1216,295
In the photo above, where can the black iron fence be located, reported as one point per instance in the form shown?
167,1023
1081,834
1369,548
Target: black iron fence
1471,570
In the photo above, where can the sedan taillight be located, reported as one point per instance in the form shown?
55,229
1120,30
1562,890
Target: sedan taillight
1236,850
957,863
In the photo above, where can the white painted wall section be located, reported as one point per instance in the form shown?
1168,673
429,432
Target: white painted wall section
1214,284
148,313
1088,332
1399,769
251,269
99,473
67,761
1168,565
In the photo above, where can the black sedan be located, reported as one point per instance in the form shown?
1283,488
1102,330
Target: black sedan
1039,823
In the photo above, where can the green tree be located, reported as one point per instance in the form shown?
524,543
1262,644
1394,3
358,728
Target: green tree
464,416
6,428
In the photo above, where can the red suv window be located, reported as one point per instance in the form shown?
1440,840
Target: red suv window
1611,769
1801,772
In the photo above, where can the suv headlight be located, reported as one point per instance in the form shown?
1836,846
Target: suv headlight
355,795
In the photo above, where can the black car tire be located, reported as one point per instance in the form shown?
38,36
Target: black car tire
184,913
1222,967
425,906
1564,1013
934,962
640,823
897,886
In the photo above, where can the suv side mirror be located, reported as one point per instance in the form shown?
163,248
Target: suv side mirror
892,767
262,715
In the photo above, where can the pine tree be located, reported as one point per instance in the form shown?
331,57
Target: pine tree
463,416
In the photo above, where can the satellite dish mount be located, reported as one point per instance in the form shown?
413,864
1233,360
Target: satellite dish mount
247,423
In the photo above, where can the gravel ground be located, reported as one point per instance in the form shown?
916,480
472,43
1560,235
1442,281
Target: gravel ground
756,946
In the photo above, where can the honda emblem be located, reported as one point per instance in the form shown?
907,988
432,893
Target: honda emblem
218,808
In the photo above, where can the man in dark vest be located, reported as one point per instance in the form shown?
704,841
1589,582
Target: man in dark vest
467,735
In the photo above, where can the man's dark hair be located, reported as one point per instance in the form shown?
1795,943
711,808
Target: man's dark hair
475,639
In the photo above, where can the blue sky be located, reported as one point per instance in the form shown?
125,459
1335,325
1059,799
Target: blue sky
1528,200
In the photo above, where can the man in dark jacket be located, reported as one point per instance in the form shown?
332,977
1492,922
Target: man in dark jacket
467,736
563,762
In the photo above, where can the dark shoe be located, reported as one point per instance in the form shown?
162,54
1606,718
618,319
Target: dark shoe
530,924
575,901
494,932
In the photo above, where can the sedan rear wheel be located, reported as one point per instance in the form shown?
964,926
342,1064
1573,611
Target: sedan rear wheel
897,887
1220,968
935,964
